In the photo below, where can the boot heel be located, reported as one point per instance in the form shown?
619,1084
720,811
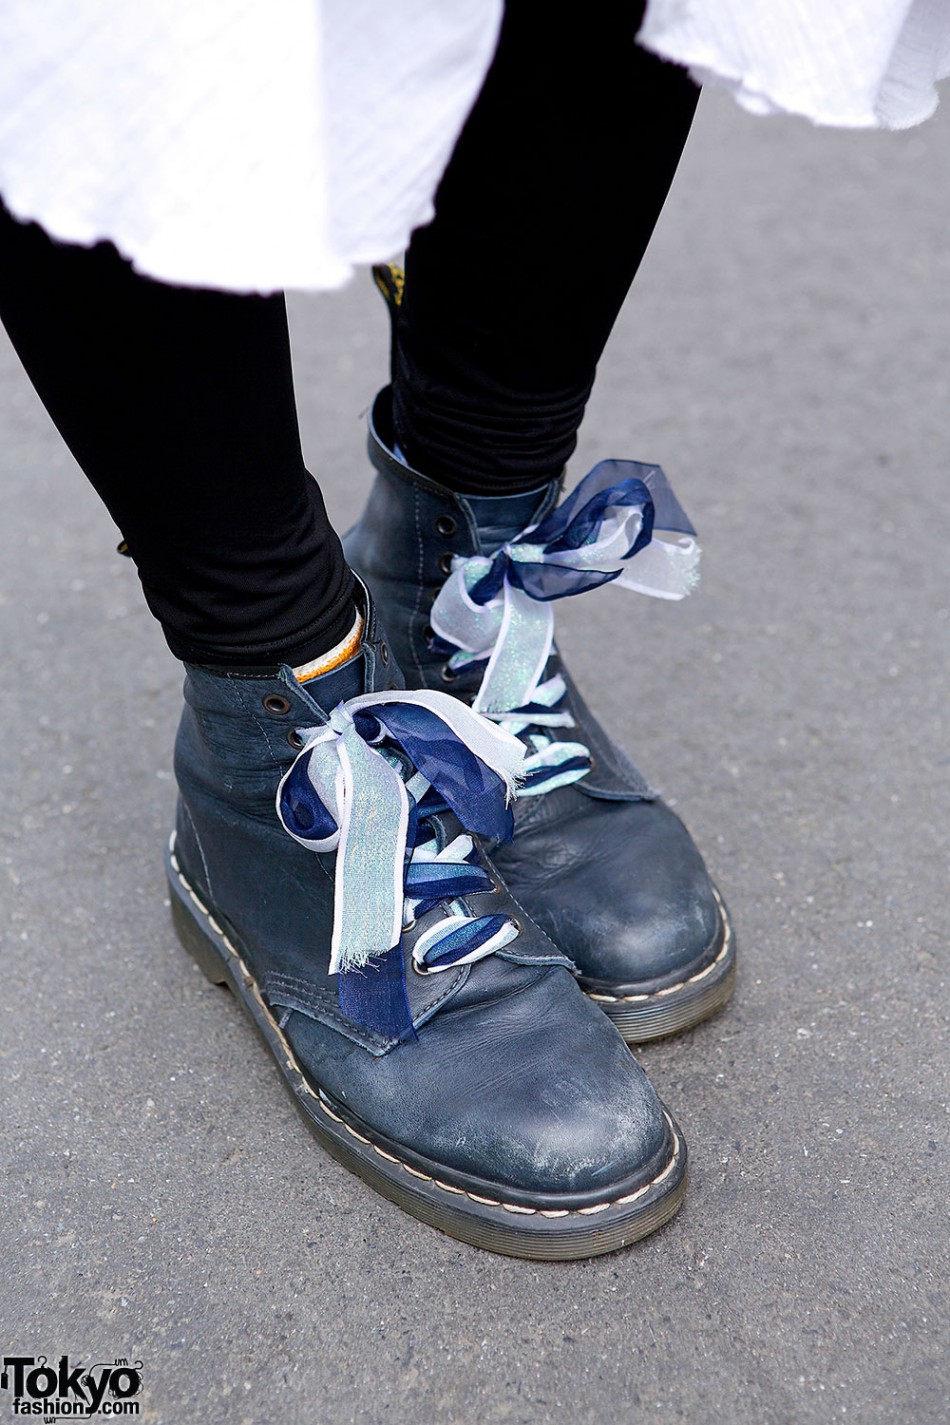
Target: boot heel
197,944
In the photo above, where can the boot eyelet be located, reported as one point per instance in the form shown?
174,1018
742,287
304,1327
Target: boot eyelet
384,653
277,705
445,562
419,969
295,740
446,526
448,675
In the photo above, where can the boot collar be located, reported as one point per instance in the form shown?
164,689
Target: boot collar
373,669
489,521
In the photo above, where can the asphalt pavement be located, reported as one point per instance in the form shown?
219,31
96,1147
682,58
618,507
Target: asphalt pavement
785,357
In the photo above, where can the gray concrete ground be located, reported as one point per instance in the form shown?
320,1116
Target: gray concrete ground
785,356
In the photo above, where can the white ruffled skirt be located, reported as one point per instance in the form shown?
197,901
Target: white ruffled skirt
848,63
253,146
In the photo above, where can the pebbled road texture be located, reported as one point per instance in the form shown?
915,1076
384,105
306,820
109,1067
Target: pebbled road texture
785,357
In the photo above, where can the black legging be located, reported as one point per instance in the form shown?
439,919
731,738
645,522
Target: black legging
179,406
542,219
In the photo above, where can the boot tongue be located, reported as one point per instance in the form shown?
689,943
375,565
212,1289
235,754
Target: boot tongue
348,680
501,518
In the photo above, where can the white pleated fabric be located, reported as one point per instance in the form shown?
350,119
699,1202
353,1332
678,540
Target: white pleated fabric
849,63
242,144
254,145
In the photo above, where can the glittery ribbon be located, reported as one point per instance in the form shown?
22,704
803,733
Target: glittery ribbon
498,607
346,792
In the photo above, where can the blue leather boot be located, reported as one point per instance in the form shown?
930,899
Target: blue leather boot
327,865
600,863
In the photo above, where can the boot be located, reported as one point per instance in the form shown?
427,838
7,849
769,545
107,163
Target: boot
598,860
328,866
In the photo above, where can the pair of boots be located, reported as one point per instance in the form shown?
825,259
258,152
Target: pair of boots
441,904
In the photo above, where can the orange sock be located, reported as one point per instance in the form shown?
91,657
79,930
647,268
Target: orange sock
343,651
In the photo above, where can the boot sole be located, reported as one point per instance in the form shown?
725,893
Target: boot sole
643,1017
538,1233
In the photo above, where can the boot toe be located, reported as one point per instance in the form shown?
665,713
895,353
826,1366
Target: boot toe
531,1091
555,1104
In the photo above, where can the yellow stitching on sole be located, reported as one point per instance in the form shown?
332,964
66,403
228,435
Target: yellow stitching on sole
672,1163
632,1196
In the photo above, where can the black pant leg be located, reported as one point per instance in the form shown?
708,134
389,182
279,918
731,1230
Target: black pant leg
179,406
542,219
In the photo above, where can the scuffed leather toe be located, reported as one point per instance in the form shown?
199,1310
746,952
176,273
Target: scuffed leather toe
594,1128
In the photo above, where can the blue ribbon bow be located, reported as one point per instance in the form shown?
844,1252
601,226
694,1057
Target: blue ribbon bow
497,607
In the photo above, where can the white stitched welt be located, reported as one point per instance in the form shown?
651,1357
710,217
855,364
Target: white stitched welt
414,1172
681,984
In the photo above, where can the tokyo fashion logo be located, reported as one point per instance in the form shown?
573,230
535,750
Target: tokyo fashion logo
56,1392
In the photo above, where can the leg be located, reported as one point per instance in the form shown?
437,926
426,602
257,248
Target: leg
179,406
541,221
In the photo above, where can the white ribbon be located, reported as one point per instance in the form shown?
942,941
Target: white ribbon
366,796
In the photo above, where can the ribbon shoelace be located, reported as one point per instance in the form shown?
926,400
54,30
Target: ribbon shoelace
370,785
497,609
